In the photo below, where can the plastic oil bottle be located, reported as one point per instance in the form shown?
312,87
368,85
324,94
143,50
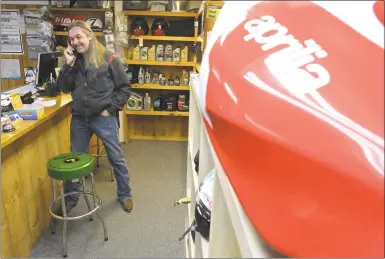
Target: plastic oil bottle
147,102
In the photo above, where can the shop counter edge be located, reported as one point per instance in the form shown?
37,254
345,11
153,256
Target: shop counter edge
25,126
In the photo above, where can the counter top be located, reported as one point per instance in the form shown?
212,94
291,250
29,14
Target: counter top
25,126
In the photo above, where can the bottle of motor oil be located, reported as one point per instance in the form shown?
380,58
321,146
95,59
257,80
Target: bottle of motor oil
147,77
159,53
141,76
162,79
159,103
143,53
182,103
136,54
185,77
151,53
177,81
184,54
176,54
168,53
131,53
155,77
147,102
170,82
171,102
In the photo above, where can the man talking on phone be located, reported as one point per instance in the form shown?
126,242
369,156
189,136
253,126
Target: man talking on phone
99,87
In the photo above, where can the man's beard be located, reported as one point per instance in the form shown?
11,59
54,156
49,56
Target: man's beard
89,55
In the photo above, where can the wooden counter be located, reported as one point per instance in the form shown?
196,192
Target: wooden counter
26,126
26,189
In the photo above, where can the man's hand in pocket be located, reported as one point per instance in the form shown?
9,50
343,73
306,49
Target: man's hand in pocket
105,113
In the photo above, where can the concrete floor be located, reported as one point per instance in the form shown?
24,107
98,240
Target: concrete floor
158,178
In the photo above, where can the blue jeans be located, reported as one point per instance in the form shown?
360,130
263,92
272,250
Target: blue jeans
106,129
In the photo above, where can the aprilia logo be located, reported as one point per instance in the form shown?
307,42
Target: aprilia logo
291,65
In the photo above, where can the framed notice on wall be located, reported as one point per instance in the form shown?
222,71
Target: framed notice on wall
11,41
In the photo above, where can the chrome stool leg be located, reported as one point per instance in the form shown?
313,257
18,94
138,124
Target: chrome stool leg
52,221
112,174
95,204
86,198
98,155
97,151
64,219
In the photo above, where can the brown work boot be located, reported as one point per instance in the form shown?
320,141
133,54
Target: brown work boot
58,208
127,205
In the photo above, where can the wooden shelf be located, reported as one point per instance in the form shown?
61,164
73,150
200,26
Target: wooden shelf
159,125
161,87
166,38
198,67
159,63
79,9
65,33
217,3
164,138
164,14
201,9
157,113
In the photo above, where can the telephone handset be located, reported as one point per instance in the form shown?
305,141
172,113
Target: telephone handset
74,49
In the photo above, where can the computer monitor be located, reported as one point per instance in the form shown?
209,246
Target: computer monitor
46,64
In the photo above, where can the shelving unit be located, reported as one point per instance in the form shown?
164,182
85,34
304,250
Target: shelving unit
157,113
156,14
65,33
159,63
99,12
166,38
161,87
232,234
66,9
212,7
198,67
161,124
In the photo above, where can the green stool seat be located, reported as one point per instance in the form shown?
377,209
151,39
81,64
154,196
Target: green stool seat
70,166
67,167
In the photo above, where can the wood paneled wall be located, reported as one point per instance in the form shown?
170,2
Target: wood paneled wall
7,84
26,188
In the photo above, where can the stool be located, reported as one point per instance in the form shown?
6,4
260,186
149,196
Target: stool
97,155
67,167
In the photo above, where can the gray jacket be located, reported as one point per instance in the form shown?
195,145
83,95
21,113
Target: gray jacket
95,90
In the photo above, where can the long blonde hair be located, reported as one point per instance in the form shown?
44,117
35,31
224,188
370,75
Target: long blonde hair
96,49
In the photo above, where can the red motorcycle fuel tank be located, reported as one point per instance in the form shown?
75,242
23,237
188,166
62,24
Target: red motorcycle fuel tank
292,94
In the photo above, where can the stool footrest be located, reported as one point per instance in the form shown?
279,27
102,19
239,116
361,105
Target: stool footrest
97,145
96,155
99,202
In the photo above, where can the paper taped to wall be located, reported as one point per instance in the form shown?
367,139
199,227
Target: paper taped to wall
10,69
